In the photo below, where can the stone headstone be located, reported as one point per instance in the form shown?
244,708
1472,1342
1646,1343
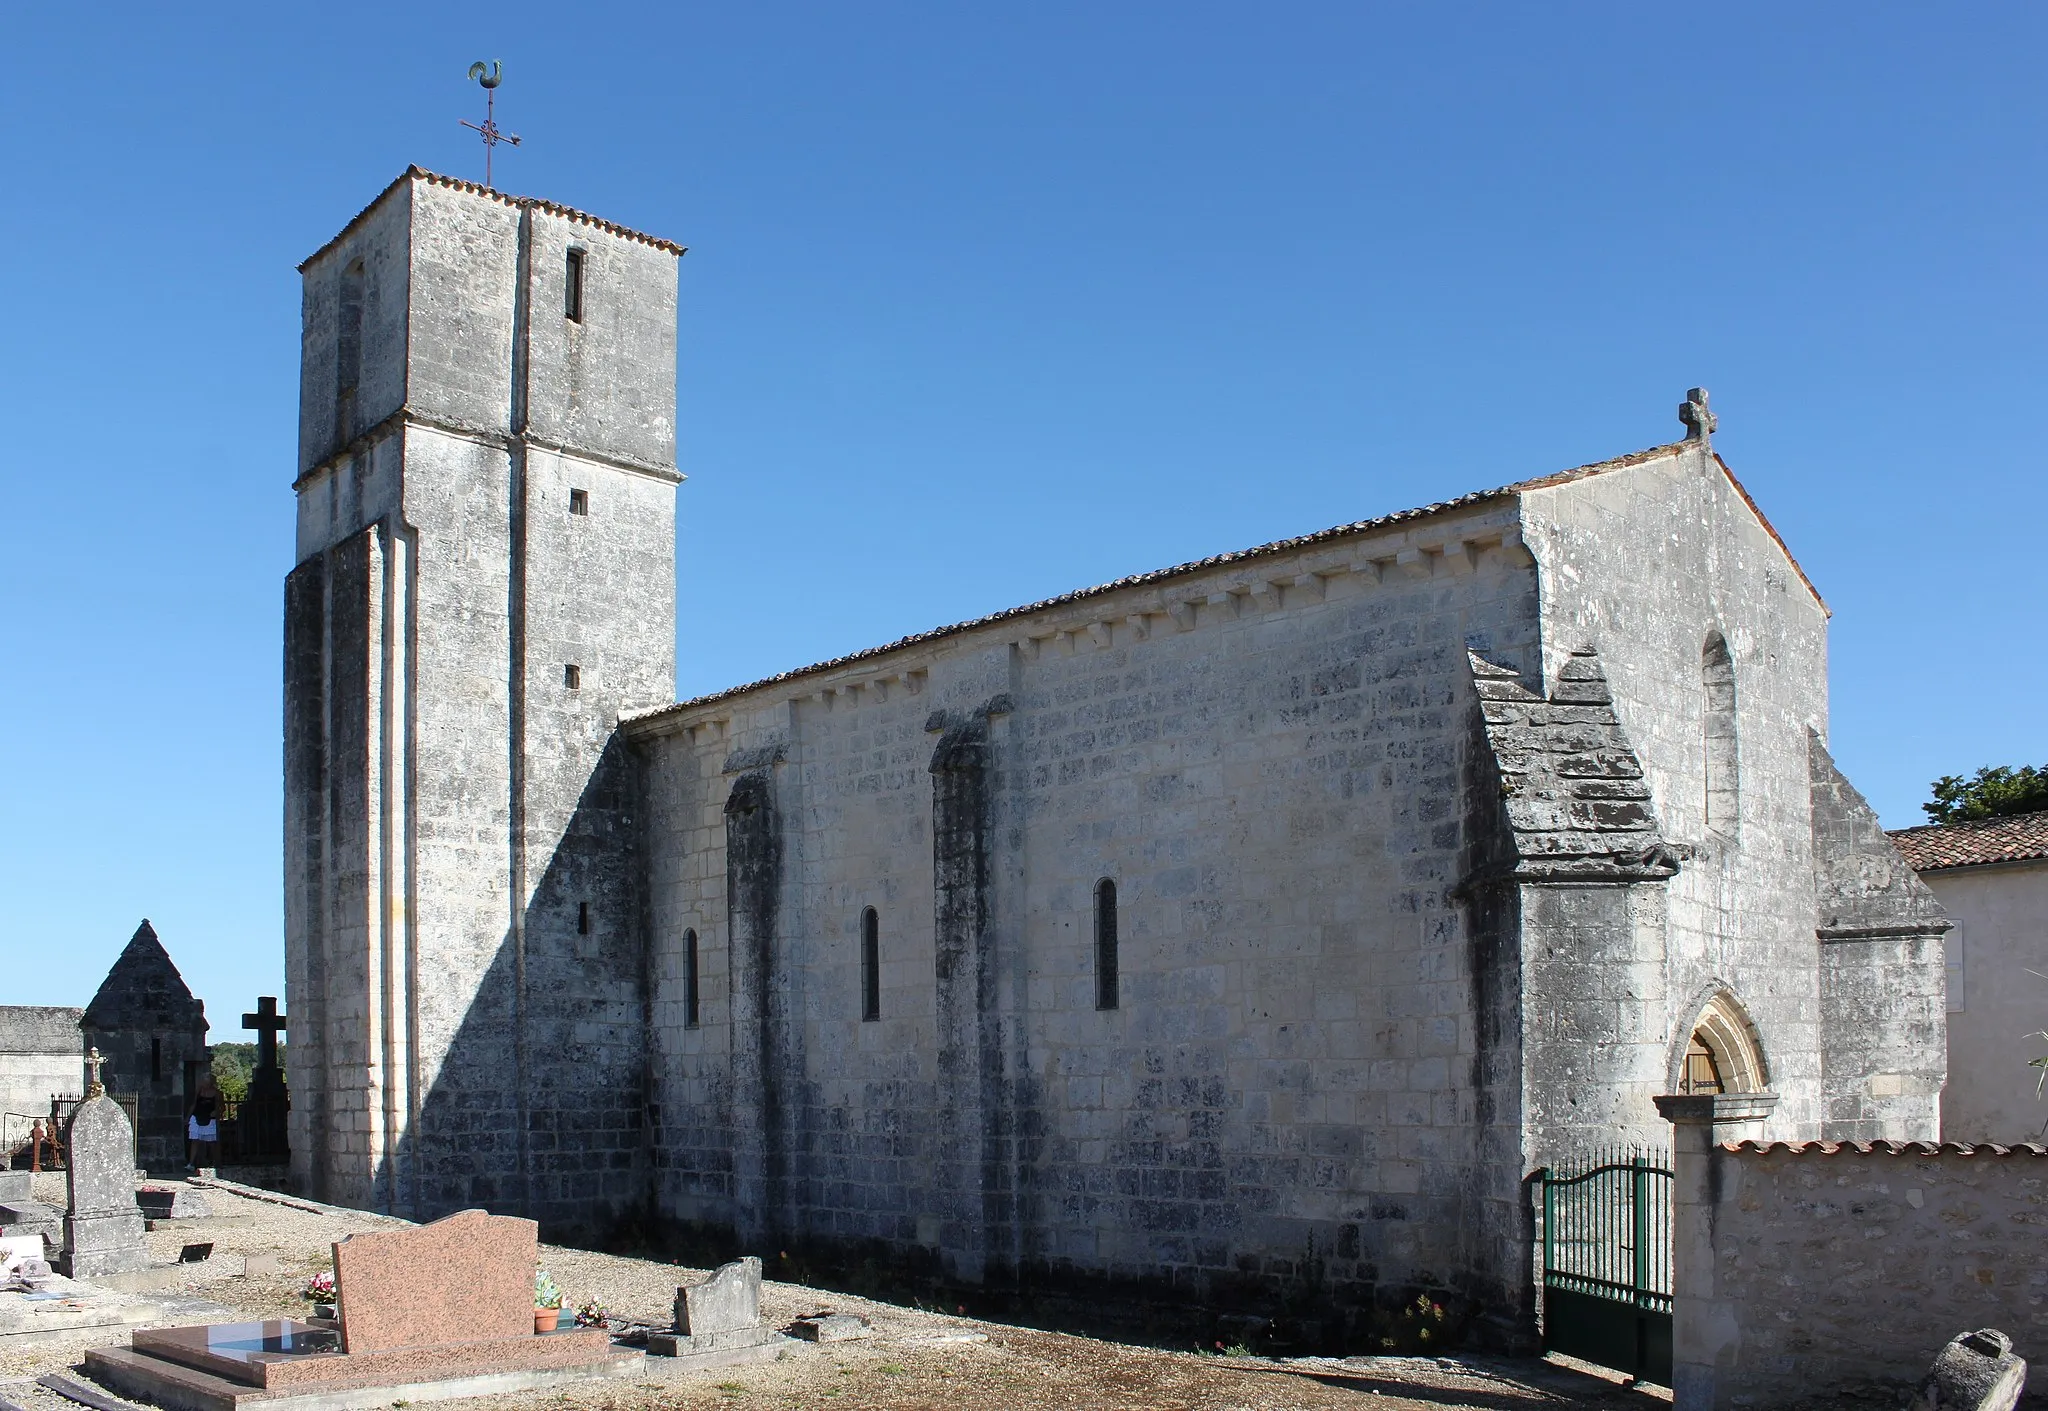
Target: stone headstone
467,1277
102,1225
1975,1372
832,1327
22,1214
172,1203
720,1314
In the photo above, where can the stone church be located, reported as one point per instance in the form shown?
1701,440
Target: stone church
1245,926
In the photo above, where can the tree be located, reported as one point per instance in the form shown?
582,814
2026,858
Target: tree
1990,793
232,1064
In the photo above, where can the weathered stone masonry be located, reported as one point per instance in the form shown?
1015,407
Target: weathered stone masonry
464,940
1433,838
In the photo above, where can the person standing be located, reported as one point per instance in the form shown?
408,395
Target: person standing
202,1123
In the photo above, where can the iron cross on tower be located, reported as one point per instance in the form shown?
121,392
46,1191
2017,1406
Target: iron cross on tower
490,77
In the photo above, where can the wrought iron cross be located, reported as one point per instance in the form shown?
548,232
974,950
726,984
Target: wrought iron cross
93,1086
268,1024
490,76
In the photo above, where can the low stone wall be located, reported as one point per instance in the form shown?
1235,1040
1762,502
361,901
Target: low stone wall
1822,1266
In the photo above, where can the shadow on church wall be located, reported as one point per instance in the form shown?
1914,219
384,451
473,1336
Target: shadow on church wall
539,1104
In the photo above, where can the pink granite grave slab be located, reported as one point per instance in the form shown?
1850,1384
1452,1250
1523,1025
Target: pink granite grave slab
467,1277
285,1354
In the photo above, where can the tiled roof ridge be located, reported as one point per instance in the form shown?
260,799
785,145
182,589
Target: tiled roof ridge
1975,842
1888,1148
1160,575
416,172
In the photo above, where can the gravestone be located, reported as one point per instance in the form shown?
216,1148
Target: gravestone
720,1317
261,1122
1974,1372
465,1278
832,1327
103,1224
172,1203
427,1313
22,1214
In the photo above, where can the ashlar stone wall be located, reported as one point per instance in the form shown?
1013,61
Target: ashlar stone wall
1269,760
1652,565
486,583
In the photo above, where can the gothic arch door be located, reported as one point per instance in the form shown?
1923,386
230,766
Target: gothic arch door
1722,1053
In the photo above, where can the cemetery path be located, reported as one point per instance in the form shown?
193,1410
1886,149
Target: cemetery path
917,1360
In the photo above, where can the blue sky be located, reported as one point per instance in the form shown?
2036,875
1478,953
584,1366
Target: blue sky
987,303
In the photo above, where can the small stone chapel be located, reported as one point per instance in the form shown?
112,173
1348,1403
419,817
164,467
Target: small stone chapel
1244,927
151,1029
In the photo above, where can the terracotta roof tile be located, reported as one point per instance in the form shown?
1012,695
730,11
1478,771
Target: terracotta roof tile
1937,845
1882,1148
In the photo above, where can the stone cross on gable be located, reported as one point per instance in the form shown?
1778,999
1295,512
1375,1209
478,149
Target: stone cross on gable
1700,423
268,1024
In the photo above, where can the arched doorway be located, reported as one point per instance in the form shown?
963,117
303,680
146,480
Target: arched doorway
1722,1054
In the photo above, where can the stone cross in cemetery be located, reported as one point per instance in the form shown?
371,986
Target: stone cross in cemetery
268,1024
102,1223
261,1119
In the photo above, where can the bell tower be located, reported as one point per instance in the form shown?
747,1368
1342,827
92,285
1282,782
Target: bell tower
485,583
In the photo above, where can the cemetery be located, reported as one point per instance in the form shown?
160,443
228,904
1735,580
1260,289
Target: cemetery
309,1307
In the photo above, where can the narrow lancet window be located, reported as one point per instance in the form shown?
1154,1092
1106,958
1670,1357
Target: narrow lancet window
689,979
1717,679
572,288
870,965
1105,945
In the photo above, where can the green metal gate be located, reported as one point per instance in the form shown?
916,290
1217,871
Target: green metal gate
1607,1262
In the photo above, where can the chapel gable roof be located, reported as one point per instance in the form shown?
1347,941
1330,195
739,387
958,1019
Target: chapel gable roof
143,989
1980,842
1572,791
1862,887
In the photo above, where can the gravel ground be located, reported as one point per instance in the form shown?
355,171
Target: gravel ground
915,1360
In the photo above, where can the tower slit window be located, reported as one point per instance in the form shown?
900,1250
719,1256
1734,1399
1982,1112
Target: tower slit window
870,966
582,918
572,677
1105,945
579,502
572,288
690,979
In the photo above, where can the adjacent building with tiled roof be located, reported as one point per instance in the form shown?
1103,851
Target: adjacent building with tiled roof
1991,876
1981,842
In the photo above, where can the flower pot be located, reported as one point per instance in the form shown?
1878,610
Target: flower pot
544,1319
323,1310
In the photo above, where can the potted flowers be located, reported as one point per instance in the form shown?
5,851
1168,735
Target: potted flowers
592,1315
319,1291
547,1301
